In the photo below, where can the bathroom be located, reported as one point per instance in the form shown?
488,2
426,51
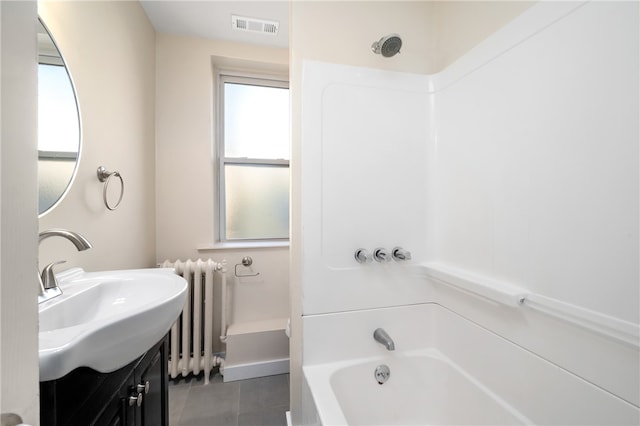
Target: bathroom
124,109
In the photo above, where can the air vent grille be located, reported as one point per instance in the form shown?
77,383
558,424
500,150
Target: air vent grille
242,23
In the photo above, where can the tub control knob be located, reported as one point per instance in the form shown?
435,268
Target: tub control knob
399,253
381,255
363,256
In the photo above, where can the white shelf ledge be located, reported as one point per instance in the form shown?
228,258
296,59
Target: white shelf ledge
611,327
518,297
488,288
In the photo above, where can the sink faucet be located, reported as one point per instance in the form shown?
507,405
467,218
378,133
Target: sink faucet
48,283
381,336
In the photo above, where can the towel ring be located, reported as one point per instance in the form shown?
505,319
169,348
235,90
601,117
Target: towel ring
104,176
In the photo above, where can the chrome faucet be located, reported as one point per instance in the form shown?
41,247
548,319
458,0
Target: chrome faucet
399,253
47,280
381,255
381,336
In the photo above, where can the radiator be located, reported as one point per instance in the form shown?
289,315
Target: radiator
191,347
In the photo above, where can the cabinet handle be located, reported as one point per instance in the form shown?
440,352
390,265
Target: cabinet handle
135,400
143,387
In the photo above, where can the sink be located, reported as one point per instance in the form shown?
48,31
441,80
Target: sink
105,320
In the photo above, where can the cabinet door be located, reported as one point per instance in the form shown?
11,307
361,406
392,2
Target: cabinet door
152,404
155,408
118,411
122,416
87,397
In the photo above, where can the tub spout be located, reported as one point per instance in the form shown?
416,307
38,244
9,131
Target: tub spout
381,336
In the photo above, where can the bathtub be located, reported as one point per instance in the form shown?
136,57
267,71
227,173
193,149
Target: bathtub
445,370
424,388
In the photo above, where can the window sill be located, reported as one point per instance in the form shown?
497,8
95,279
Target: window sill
232,245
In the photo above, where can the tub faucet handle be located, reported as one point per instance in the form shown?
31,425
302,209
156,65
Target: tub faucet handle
399,253
381,255
363,256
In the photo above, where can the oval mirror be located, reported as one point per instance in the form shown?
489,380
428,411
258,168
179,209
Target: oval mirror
59,134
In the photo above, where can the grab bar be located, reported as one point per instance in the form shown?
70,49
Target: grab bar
493,290
510,295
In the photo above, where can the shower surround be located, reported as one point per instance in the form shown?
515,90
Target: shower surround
517,166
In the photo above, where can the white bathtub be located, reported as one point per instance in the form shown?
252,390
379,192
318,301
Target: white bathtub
424,388
445,370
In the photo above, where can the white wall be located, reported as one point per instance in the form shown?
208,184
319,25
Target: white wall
326,31
434,34
539,187
185,178
18,217
109,48
364,181
531,179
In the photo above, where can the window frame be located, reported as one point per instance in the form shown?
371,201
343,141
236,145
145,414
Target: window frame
222,160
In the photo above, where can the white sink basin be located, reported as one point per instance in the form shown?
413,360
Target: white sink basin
105,320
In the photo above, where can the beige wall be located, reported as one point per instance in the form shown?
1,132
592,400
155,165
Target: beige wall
434,35
109,48
185,136
463,24
18,198
343,31
185,178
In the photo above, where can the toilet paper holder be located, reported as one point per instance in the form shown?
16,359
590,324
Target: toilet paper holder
247,261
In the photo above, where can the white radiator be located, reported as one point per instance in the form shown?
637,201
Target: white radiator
191,349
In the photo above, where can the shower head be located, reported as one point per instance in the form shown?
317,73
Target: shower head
387,46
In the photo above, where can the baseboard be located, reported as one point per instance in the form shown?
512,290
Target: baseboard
256,369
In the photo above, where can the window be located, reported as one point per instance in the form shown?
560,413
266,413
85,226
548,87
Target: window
253,159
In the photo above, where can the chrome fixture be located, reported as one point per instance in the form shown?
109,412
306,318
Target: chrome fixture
247,261
47,280
78,240
382,373
381,336
363,256
387,46
47,277
399,253
381,255
105,176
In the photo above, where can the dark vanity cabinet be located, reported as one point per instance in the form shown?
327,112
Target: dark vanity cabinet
134,395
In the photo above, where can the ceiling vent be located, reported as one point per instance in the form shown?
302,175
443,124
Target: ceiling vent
254,25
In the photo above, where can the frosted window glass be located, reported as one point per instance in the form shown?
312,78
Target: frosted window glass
257,202
256,121
53,178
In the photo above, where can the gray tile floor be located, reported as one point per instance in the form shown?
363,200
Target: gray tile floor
253,402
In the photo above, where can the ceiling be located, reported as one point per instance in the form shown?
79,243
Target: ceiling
211,19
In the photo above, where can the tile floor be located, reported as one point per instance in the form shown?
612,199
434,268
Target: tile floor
253,402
